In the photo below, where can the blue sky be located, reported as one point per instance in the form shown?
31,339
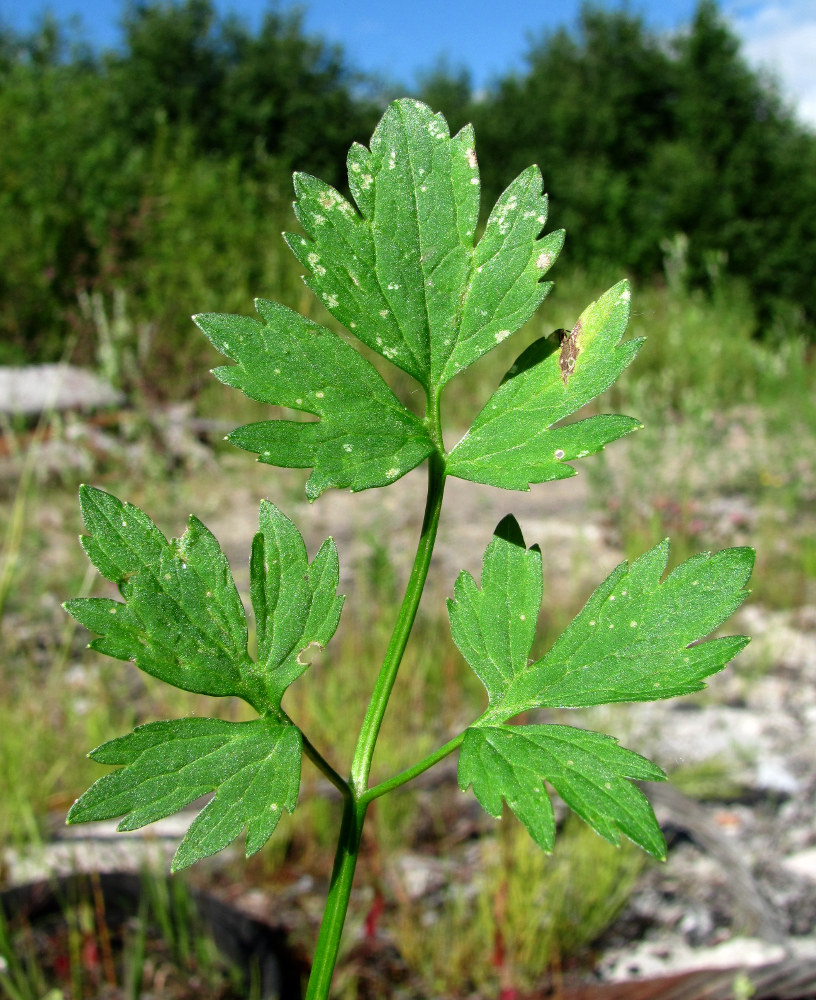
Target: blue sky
396,40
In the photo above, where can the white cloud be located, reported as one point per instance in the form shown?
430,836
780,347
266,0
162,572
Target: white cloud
780,36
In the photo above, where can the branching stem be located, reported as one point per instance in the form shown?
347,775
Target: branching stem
412,772
357,798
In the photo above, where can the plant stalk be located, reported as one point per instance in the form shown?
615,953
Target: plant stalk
356,803
361,765
334,914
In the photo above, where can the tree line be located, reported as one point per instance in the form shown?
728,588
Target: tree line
162,168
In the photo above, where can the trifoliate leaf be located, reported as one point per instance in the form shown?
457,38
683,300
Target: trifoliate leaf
253,768
589,771
403,274
636,639
182,619
513,443
364,436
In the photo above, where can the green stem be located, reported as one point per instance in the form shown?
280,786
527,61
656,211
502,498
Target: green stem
355,801
325,768
317,758
405,776
334,915
361,765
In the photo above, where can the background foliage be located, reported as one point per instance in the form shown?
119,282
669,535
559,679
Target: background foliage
162,170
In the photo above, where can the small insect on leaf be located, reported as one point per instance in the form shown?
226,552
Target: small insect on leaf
569,350
513,441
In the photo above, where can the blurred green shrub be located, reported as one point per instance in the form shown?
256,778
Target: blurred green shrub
161,169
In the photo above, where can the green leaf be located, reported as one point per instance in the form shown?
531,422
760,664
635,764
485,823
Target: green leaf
296,604
364,436
633,639
494,627
182,619
403,274
589,771
513,443
253,768
636,639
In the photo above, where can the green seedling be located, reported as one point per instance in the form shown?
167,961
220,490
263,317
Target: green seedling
404,273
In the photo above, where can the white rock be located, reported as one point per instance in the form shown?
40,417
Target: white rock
802,863
667,956
39,388
419,875
773,776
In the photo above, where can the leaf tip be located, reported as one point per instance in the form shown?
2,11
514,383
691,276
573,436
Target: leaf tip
92,495
747,555
300,181
187,854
